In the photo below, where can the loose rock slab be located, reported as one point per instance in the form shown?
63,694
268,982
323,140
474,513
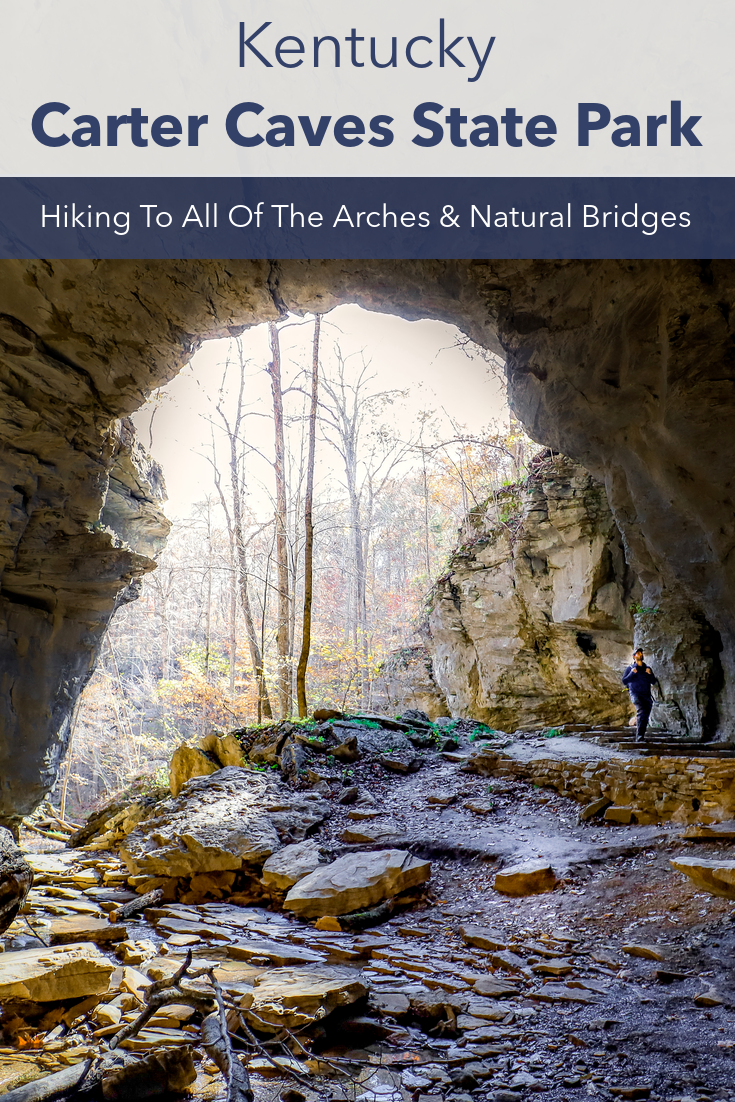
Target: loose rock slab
294,997
275,952
232,819
527,878
724,832
483,937
356,882
66,931
646,952
559,992
45,975
715,877
386,831
187,762
289,865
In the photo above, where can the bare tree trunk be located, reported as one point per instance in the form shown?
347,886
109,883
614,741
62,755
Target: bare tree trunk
309,528
233,624
283,634
238,541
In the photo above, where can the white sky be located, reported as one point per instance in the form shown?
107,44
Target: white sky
417,356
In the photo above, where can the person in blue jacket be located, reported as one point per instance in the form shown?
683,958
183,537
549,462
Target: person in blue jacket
639,679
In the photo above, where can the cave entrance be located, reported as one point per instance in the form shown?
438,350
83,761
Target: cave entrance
412,431
86,342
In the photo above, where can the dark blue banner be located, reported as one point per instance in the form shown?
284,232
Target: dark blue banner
373,218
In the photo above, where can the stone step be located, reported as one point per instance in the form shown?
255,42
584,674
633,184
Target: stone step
677,748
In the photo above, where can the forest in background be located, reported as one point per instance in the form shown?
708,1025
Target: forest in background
332,508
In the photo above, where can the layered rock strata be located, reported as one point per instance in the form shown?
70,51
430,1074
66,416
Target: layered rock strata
530,626
406,680
16,879
218,833
626,366
650,789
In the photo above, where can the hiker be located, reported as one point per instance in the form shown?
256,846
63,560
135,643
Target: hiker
639,679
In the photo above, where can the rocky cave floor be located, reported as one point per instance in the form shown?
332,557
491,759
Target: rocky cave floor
636,963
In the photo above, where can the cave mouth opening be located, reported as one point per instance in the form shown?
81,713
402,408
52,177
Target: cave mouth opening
101,336
413,432
586,643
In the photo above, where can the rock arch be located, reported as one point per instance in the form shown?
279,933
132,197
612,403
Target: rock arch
626,366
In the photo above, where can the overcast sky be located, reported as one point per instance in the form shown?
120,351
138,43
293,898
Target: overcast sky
415,356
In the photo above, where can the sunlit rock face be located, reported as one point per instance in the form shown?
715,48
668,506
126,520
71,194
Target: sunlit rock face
406,680
530,625
626,366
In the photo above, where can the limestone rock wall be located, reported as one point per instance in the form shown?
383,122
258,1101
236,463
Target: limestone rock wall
531,625
684,790
627,366
406,680
80,520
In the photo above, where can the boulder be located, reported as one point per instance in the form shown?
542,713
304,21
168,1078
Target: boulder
482,937
162,1072
624,815
406,679
401,762
48,975
212,752
415,716
187,762
356,882
16,879
386,738
271,741
225,748
295,997
701,832
596,807
231,820
715,877
78,928
380,832
526,878
289,865
347,751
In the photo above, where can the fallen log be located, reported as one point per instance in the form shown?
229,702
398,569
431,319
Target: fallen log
216,1042
119,1076
135,906
160,994
51,1086
158,1073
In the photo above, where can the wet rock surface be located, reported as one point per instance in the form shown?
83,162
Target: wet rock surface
618,982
